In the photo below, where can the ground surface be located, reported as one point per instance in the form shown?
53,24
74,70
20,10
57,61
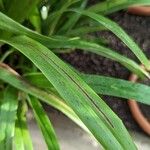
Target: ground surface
139,29
72,137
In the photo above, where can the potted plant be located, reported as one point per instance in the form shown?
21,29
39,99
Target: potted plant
33,33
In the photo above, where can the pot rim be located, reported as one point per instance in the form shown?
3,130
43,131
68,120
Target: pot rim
136,111
139,10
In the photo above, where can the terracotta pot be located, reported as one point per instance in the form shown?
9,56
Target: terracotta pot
141,10
136,111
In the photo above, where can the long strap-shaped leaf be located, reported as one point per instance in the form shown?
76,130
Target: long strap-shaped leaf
119,32
8,109
118,87
9,25
110,6
73,19
96,82
102,85
78,95
53,18
44,124
22,139
8,75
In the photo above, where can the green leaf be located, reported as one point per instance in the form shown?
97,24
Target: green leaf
44,124
53,19
1,5
72,20
102,85
19,9
8,75
110,6
1,95
120,33
22,139
8,109
77,94
84,30
6,54
118,87
8,24
35,19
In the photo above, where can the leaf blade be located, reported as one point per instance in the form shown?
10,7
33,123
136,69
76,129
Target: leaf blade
8,75
120,33
22,140
44,124
77,94
102,85
110,6
8,24
8,109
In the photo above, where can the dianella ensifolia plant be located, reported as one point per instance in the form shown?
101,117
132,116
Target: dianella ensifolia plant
32,33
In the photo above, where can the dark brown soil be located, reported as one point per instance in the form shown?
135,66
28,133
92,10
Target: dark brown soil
139,29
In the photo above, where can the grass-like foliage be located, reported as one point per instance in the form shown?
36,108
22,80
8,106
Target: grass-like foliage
31,35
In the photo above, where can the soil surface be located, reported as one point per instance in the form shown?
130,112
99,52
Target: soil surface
139,29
